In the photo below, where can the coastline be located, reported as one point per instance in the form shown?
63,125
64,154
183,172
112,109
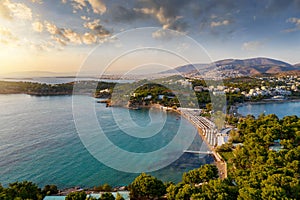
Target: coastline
218,160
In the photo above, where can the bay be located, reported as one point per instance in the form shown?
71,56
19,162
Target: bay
39,142
281,109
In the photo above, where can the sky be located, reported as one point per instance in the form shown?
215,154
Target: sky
75,35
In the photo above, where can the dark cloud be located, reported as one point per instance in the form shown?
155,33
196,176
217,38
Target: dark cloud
177,15
224,16
121,13
167,13
214,6
96,28
278,6
179,25
100,31
171,8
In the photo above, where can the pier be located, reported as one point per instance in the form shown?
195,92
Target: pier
198,152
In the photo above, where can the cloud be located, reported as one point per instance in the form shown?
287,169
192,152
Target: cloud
6,36
4,9
20,10
252,45
92,25
37,26
275,6
219,23
9,10
79,4
37,1
97,28
296,22
42,46
177,15
167,22
188,15
120,13
52,28
98,6
85,18
168,13
5,31
72,36
89,38
60,41
64,36
165,34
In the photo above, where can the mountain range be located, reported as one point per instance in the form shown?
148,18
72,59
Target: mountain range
221,68
237,67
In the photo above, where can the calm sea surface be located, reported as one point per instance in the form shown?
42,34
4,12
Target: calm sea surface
39,142
281,109
57,80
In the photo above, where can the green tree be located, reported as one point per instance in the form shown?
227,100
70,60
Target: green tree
209,107
279,186
172,190
248,193
106,187
146,187
185,192
23,190
50,189
200,175
119,196
220,189
263,174
107,196
198,196
81,195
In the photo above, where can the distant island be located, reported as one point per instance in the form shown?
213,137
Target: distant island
42,89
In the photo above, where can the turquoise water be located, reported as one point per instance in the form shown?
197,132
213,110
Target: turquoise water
281,109
39,142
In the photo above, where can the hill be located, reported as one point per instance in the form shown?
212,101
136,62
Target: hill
297,65
237,67
256,65
186,68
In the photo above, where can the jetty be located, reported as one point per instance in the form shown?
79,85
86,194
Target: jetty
209,134
198,152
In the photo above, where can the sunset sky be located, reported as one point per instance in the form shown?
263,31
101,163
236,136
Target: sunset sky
58,35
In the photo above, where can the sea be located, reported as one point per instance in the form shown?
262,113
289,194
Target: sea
281,109
59,140
60,80
53,140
